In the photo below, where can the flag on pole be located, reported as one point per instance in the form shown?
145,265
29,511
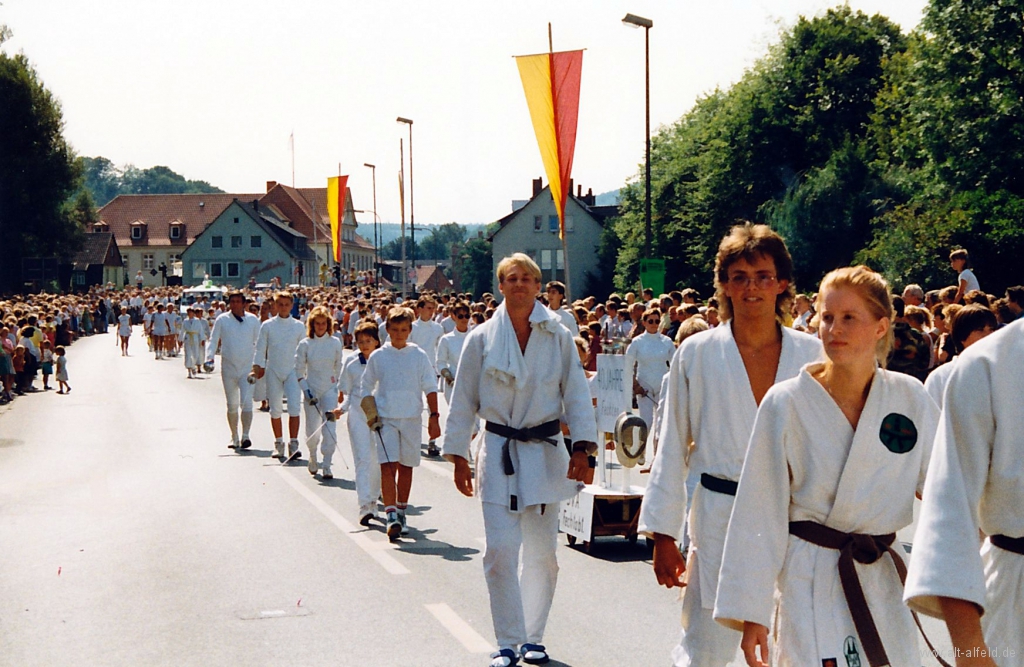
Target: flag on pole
337,186
551,82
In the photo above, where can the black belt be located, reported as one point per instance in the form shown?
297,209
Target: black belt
865,549
718,485
542,432
1012,544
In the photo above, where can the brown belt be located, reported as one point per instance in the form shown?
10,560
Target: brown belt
865,549
1012,544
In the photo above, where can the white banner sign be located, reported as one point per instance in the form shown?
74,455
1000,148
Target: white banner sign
576,515
612,390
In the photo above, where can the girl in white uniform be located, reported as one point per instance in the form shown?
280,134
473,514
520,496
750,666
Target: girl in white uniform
193,339
449,349
836,457
318,361
124,331
364,449
649,354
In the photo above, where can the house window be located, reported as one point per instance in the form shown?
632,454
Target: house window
538,223
553,224
236,221
198,269
236,241
216,270
137,232
232,269
147,261
545,260
255,241
175,232
569,224
217,241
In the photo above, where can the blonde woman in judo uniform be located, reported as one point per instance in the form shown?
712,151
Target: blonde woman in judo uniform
976,482
318,361
715,382
835,460
520,372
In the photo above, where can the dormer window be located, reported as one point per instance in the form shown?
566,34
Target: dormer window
138,229
100,227
175,231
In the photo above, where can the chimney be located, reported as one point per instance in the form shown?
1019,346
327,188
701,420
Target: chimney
570,187
479,234
579,192
256,205
590,200
538,185
271,185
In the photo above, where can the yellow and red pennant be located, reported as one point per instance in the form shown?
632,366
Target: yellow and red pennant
551,82
337,187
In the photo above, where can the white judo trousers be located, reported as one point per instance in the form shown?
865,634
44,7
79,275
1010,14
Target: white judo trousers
364,449
279,337
806,463
707,402
976,482
497,382
318,363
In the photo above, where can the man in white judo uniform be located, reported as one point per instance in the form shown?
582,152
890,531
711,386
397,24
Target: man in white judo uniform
520,372
318,361
275,359
836,458
715,382
235,332
976,482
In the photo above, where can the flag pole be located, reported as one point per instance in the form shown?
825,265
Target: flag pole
559,208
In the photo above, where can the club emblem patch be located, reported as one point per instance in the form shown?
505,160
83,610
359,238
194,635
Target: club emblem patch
850,651
898,433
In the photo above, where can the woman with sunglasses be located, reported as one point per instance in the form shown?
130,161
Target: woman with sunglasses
647,360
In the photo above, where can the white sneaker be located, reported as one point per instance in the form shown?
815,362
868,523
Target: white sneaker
293,450
234,443
401,520
325,471
394,526
312,466
278,449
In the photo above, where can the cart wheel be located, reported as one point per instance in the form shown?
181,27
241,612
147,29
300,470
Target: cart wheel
632,537
649,542
586,547
571,539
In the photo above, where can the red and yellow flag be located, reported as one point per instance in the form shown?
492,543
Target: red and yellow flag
337,187
551,82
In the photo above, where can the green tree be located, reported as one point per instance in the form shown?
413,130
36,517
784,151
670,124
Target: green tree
102,178
392,250
438,244
38,172
160,180
477,266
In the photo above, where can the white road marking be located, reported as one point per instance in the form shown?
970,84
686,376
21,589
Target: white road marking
459,629
385,560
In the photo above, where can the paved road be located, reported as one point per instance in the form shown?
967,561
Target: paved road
130,535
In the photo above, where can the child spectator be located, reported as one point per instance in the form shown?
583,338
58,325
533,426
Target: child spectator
46,363
966,280
62,371
6,365
20,376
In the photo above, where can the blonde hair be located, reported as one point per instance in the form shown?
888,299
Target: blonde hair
319,311
523,261
873,289
399,315
691,326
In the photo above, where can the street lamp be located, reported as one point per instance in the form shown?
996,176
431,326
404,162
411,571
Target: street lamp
635,21
412,214
376,245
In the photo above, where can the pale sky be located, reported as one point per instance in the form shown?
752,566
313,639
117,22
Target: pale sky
213,88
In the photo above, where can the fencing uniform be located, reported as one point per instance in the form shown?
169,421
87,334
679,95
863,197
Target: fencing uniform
275,352
976,481
806,463
708,402
427,335
520,483
237,339
318,362
449,349
363,443
650,355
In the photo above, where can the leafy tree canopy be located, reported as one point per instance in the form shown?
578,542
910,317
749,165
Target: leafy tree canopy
105,181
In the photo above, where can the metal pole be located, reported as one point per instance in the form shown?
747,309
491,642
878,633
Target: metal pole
376,236
401,184
647,159
412,203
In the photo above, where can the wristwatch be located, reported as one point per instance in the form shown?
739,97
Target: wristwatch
435,414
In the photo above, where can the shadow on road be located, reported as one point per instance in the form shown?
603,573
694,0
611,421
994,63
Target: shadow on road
617,550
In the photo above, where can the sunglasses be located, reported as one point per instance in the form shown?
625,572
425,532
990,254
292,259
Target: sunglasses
653,321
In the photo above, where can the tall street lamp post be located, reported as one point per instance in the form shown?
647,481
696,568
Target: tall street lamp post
412,213
376,241
640,22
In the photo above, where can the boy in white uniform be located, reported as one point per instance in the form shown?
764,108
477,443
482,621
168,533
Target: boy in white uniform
715,382
396,376
275,359
426,334
976,483
318,361
236,332
450,349
520,371
364,446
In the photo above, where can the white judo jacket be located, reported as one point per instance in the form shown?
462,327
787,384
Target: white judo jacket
499,383
708,402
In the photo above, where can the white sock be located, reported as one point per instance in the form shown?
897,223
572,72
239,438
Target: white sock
233,423
246,423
